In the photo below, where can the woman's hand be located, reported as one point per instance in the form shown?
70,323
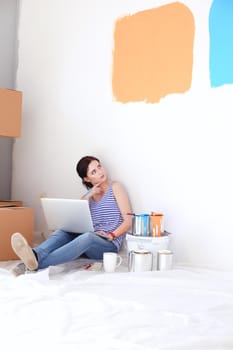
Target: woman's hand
104,235
95,189
92,191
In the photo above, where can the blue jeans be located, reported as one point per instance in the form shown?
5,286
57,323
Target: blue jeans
62,247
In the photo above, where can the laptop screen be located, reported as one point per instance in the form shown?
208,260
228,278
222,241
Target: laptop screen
70,215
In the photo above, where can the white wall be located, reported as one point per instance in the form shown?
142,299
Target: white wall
173,156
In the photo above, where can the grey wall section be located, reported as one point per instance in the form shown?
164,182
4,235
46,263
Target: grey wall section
8,67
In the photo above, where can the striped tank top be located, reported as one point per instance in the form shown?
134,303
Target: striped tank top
106,215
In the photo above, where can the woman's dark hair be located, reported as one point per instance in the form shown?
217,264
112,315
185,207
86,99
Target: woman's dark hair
82,167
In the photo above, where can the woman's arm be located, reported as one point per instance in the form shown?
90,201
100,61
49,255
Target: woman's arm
125,208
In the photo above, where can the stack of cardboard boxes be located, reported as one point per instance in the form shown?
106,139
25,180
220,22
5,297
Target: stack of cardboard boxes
14,217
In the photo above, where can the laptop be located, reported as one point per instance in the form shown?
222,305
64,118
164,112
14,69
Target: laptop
71,215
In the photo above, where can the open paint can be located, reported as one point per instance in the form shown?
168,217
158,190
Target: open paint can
141,225
156,224
165,258
140,260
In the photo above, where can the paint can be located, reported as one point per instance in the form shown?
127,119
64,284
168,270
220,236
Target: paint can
165,258
141,225
156,224
140,260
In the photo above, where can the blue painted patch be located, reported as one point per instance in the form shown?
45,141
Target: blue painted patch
221,42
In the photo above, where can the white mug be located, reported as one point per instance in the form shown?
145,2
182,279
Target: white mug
111,261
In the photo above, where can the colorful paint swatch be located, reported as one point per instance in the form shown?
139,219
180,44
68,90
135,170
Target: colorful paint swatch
221,42
153,54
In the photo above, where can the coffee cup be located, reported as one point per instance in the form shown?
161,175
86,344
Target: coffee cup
111,261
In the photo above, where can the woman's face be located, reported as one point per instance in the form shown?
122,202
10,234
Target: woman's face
95,173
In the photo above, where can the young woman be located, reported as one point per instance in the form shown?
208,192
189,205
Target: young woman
109,205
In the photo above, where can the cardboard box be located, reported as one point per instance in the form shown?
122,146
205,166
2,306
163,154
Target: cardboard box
10,112
11,204
15,219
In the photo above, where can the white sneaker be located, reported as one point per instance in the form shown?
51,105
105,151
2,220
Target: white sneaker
24,251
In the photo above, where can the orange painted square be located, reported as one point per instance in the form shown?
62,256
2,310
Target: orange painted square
153,54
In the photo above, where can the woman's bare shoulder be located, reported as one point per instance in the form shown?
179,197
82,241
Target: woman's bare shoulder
117,187
116,184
